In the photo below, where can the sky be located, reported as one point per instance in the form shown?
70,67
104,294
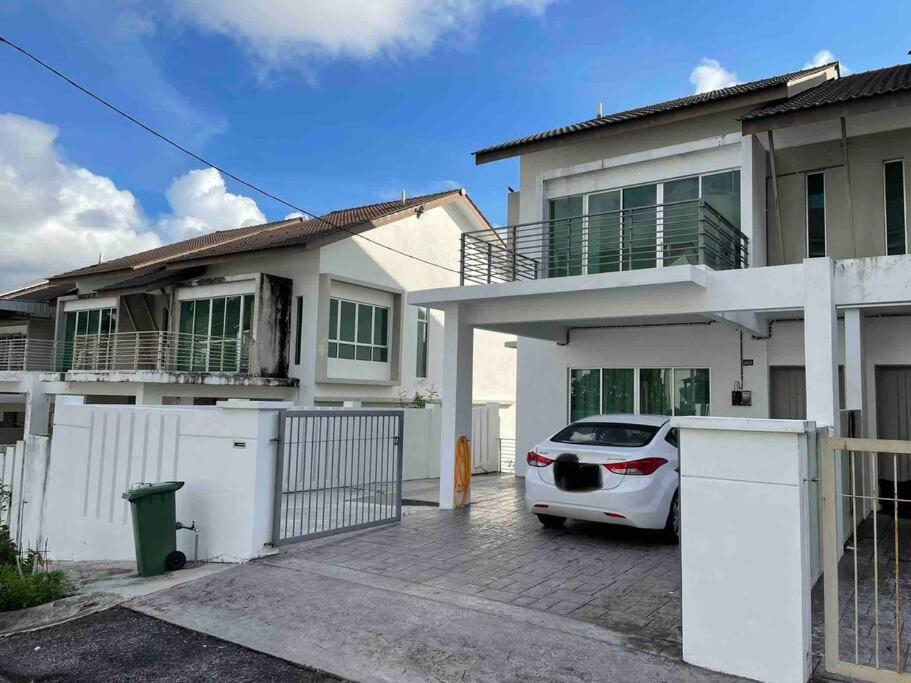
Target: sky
335,103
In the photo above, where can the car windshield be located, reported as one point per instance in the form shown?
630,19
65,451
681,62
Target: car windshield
606,434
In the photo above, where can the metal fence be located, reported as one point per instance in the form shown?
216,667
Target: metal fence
688,232
336,471
867,585
507,454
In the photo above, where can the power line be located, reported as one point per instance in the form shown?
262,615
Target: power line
208,163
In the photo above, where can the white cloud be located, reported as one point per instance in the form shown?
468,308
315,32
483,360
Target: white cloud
200,203
285,32
825,57
710,75
55,216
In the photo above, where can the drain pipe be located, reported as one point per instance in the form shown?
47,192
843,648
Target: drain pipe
195,531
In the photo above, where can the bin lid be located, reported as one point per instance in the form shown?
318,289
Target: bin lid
143,490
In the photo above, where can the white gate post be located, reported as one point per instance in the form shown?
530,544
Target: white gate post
745,546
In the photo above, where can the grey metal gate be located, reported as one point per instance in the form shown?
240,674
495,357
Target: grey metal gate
336,471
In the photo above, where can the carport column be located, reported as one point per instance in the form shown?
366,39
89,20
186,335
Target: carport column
820,339
458,354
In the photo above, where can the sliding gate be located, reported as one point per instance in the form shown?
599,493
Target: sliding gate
868,570
336,471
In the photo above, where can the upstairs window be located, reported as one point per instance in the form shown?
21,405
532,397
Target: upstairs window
358,331
894,182
816,215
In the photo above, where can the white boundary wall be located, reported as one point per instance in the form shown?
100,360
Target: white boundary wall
225,454
745,545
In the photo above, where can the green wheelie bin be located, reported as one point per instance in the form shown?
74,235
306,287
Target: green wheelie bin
155,527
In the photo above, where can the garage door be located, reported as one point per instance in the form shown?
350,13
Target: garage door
893,415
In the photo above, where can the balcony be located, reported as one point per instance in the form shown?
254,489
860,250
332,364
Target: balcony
158,351
25,354
680,233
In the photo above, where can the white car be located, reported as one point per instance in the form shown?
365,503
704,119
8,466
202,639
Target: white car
616,469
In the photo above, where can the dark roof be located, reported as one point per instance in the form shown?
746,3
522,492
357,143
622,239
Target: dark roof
43,291
885,81
303,231
289,232
169,251
652,109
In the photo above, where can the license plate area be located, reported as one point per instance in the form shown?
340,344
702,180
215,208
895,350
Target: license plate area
572,475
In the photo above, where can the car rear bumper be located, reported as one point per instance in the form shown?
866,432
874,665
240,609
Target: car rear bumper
639,503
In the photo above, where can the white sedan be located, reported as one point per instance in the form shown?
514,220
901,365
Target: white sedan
616,469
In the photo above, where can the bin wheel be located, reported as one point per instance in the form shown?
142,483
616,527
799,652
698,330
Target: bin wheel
175,560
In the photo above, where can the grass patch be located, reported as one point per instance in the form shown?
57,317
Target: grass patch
24,579
18,591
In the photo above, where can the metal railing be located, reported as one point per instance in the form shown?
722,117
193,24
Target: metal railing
23,353
688,232
336,471
158,351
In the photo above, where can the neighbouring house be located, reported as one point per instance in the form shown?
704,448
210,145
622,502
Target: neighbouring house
741,252
310,310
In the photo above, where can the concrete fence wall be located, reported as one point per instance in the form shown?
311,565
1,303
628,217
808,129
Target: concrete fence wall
225,454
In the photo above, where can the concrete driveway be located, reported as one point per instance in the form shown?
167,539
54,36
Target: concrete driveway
477,594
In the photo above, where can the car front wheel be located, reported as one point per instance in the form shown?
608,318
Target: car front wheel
552,521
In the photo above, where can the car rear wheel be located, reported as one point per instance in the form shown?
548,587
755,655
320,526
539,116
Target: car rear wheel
552,521
672,526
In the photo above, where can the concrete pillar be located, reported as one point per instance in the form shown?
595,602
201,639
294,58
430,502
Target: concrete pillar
854,359
458,354
37,407
820,338
149,395
753,197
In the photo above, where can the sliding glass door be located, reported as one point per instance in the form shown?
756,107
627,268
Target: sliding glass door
640,227
565,243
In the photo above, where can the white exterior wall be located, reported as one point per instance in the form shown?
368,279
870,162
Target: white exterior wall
433,237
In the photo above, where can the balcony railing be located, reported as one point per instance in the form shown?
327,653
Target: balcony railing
23,353
160,352
689,232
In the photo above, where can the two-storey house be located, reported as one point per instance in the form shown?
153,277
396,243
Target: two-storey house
742,252
304,309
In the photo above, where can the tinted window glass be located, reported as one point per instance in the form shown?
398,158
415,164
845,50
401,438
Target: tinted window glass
816,215
671,438
606,434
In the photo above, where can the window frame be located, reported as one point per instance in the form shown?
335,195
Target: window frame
636,385
899,160
333,338
422,354
659,225
825,217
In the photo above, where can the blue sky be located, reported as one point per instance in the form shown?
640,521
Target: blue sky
349,106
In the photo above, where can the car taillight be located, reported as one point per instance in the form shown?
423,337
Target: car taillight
535,459
636,467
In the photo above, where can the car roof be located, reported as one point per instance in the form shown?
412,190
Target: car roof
628,418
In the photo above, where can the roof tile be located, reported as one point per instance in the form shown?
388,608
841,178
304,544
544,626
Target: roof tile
652,109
